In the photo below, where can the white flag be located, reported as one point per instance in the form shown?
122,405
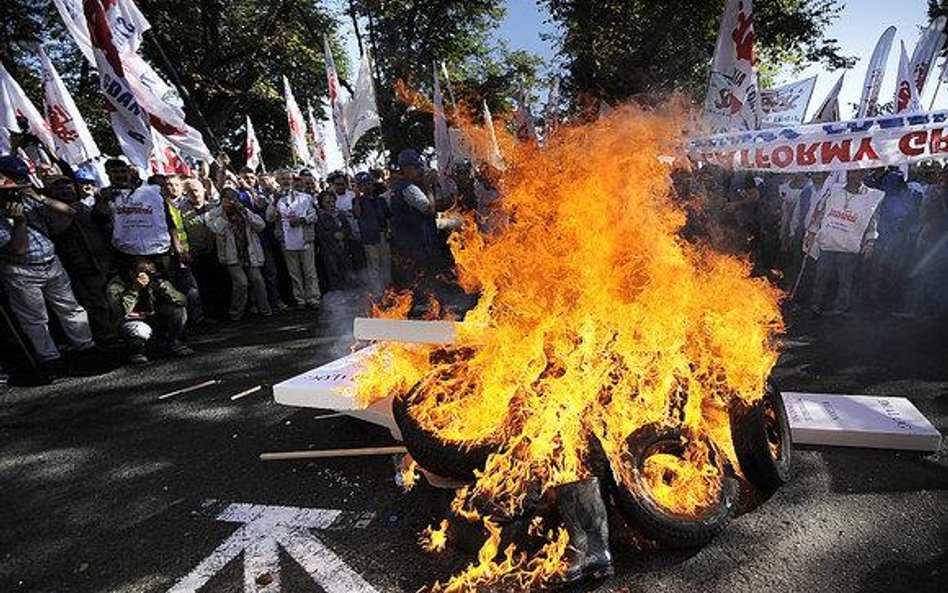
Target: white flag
297,124
494,158
523,118
829,109
552,114
74,143
447,84
252,147
129,119
927,48
874,75
733,101
336,105
317,143
786,105
13,104
361,112
442,139
906,96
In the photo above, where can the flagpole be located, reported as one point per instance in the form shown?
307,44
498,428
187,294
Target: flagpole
941,76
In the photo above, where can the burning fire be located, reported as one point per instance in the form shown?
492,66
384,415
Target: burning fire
595,318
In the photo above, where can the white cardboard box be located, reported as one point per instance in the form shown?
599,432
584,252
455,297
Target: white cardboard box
323,388
859,421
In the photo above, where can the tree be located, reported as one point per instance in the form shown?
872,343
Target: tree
408,36
617,49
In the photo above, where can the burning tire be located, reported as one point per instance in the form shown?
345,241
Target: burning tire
761,435
670,527
450,460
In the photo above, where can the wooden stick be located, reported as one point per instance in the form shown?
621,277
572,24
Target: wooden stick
237,396
332,453
188,389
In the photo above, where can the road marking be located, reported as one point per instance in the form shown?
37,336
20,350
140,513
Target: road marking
189,389
246,393
264,530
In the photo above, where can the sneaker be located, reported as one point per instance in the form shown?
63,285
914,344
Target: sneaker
182,351
138,359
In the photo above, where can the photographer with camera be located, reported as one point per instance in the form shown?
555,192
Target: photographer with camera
152,310
31,272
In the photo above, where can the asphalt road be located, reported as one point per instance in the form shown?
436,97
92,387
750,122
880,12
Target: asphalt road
104,487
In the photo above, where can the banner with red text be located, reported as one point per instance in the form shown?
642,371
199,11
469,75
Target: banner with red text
834,146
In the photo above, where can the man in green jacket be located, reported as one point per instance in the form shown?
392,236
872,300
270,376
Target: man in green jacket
152,310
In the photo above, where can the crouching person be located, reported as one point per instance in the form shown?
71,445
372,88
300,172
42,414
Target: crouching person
152,310
239,248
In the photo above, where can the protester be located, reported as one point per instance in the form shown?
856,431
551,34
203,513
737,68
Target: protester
31,273
86,188
295,215
412,220
345,200
846,231
172,191
202,246
258,194
84,250
152,310
238,247
373,214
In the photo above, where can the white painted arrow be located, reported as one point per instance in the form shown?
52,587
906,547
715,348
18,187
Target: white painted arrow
264,531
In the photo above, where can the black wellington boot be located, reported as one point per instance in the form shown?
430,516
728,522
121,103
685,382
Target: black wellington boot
583,512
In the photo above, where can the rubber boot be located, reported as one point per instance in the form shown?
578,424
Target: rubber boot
583,512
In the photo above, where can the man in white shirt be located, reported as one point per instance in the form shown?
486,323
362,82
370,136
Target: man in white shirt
846,230
294,215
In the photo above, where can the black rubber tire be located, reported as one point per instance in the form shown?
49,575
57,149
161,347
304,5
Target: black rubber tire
438,457
756,430
656,522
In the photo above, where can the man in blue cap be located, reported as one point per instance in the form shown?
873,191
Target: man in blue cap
31,273
412,220
372,213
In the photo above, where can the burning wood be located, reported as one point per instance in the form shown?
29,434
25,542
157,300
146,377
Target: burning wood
613,349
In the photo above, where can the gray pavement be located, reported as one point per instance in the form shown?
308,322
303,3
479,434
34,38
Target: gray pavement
106,488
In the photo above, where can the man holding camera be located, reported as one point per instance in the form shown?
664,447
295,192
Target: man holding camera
31,273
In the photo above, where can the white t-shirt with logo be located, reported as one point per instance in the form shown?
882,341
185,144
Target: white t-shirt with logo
139,223
846,218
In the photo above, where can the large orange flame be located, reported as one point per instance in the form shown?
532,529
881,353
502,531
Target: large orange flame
595,318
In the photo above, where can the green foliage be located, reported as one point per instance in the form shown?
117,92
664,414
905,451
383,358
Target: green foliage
616,49
409,36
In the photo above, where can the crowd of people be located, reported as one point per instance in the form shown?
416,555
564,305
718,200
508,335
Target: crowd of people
860,242
138,264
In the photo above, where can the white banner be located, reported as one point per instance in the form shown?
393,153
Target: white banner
361,112
786,105
336,104
297,125
251,147
829,109
14,103
494,158
74,143
928,46
894,140
874,74
906,96
733,101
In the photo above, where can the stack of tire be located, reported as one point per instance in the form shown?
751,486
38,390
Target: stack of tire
760,434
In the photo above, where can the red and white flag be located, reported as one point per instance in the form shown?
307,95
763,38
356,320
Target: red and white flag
15,104
906,95
361,112
165,158
336,104
829,109
316,141
927,48
297,125
74,143
129,120
252,147
733,101
874,75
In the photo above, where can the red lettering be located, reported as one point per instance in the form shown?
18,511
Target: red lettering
761,159
806,153
745,161
938,141
840,152
782,156
913,143
865,150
